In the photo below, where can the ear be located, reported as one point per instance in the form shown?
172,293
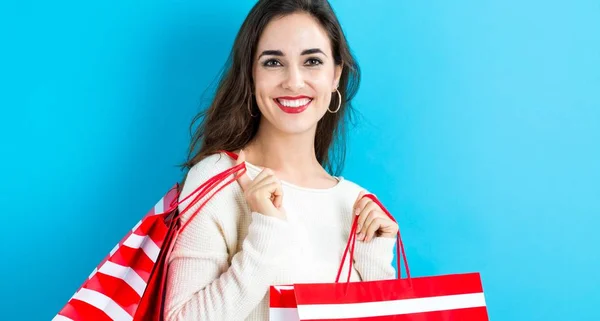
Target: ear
337,74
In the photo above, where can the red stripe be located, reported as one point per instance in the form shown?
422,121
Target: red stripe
116,289
107,257
136,259
470,314
152,301
387,290
154,227
282,298
81,311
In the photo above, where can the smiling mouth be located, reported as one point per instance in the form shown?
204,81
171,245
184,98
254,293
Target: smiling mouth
293,105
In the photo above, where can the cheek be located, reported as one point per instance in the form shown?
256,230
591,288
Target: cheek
264,86
325,100
323,79
265,81
322,85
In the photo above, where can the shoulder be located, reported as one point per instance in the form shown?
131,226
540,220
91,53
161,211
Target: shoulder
349,190
201,173
209,167
353,186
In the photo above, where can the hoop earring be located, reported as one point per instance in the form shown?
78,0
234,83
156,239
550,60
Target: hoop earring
339,103
249,104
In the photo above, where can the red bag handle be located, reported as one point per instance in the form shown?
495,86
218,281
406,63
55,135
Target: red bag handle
206,187
157,283
240,169
352,241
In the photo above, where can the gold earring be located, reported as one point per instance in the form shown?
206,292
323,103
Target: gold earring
339,103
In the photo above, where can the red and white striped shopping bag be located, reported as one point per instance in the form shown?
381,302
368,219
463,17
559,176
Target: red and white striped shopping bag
448,297
454,297
128,285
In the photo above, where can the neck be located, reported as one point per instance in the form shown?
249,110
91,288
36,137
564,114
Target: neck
292,155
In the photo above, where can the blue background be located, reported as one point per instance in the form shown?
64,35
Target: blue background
480,131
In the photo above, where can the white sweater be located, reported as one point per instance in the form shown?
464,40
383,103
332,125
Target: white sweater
223,263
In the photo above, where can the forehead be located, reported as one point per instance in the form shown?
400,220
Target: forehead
294,33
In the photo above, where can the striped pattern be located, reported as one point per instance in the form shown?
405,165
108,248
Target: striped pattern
448,297
114,289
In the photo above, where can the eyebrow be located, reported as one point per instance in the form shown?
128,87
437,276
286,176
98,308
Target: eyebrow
280,53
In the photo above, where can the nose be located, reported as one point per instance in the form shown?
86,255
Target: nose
294,80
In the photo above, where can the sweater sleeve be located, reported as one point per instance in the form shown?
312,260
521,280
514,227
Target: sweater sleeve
373,260
203,285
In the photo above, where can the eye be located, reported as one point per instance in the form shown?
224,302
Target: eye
271,63
314,62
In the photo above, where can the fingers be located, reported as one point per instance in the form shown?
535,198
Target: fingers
265,186
359,206
373,225
359,209
369,212
358,199
372,221
275,192
269,187
244,180
264,174
361,202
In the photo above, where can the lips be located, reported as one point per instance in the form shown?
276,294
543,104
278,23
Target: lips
293,105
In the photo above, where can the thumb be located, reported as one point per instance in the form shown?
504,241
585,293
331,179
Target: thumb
244,180
360,196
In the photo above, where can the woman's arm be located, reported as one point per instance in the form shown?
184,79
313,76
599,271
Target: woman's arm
201,285
204,281
373,259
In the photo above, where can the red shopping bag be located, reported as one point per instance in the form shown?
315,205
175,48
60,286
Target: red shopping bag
129,284
452,297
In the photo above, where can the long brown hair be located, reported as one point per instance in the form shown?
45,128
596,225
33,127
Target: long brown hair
227,123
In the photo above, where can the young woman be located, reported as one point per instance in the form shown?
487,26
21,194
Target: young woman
281,104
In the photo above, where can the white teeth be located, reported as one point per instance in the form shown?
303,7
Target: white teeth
294,103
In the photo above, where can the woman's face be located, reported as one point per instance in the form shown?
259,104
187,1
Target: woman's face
294,74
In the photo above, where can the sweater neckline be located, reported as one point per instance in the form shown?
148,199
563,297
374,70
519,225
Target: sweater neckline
340,179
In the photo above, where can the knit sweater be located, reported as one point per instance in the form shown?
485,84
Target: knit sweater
223,263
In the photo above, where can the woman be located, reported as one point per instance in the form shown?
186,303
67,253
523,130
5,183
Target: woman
281,104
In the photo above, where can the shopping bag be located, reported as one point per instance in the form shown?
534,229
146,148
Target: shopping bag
453,297
129,284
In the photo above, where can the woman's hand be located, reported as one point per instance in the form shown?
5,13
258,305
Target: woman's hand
372,221
263,194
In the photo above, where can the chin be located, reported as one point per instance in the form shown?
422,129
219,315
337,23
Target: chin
296,127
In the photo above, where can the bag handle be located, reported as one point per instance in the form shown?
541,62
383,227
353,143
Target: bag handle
352,241
205,188
239,170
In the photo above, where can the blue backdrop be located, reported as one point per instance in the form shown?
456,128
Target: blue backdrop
480,132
